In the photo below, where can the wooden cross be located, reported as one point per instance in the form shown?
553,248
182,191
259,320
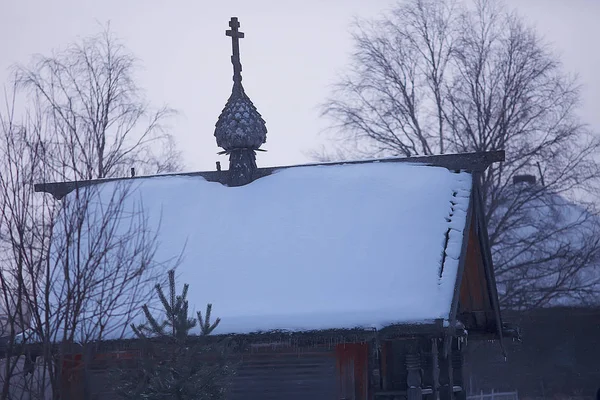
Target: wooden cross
235,44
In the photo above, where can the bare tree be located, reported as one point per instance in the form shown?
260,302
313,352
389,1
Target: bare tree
75,271
100,123
441,76
16,228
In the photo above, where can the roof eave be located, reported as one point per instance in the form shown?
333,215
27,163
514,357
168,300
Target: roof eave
470,162
478,209
462,258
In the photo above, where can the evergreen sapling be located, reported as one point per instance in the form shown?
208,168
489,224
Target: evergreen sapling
175,364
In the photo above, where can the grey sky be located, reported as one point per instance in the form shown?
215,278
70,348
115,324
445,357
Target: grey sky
291,52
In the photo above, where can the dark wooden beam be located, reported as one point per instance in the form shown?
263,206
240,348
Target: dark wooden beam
482,232
457,369
472,162
384,364
435,369
446,377
61,189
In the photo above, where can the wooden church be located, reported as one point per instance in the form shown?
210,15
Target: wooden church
353,280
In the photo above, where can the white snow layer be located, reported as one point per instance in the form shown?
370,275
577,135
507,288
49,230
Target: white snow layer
310,248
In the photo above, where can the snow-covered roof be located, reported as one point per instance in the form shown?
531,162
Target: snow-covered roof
318,247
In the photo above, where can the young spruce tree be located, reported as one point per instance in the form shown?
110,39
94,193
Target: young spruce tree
176,365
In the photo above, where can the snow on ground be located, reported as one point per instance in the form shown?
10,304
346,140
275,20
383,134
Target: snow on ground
317,247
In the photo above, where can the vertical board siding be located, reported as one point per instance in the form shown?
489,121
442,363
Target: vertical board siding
289,376
353,370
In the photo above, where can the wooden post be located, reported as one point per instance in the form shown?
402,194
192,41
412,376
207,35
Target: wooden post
446,376
384,361
435,368
413,379
457,369
430,367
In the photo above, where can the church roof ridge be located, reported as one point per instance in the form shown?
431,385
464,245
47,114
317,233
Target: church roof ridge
470,162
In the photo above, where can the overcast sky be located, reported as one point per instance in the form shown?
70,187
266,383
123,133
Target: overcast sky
291,53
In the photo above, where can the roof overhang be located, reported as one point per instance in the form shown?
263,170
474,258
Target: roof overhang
470,162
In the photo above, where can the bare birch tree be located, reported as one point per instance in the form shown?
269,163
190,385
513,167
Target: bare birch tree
445,77
74,272
100,121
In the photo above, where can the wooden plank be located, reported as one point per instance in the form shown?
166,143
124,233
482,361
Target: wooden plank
467,161
435,369
488,267
385,359
352,362
457,370
446,377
